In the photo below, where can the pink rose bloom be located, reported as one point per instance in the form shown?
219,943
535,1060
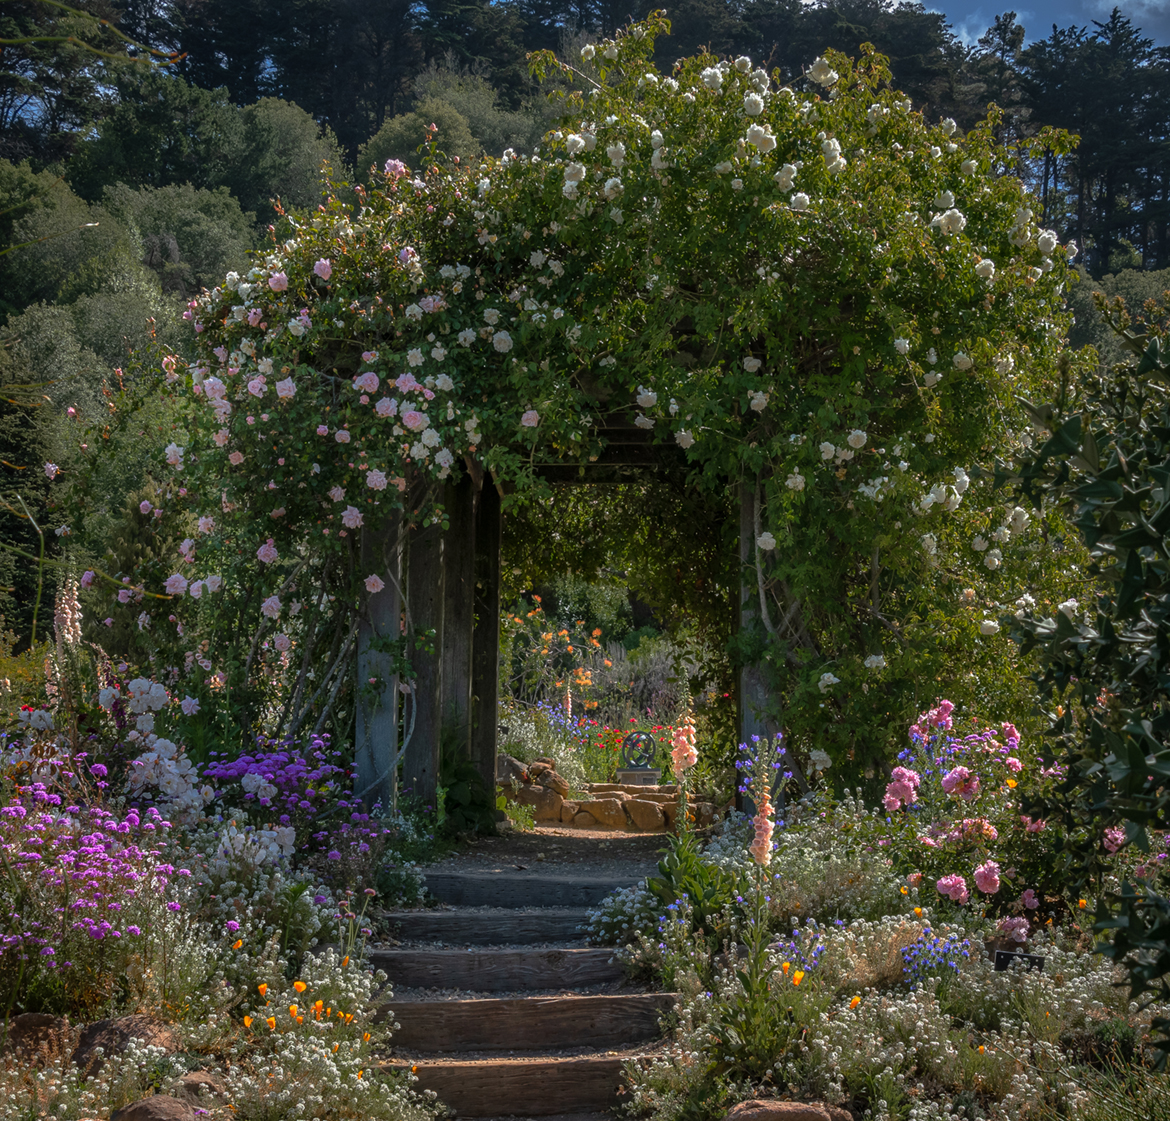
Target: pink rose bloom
86,578
376,480
236,458
352,518
1031,826
254,317
954,887
914,879
144,507
52,470
387,406
960,781
258,385
271,607
176,585
278,282
323,268
414,420
282,642
407,255
1013,764
337,493
123,595
369,355
221,353
213,583
394,169
322,430
108,622
196,589
530,419
407,383
189,705
987,877
267,552
1113,838
1015,929
374,584
221,437
206,525
341,436
367,382
286,389
1030,900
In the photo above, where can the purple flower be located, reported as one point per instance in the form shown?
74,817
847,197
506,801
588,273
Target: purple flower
98,770
232,926
334,854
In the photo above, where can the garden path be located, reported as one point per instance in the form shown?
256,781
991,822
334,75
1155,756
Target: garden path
503,1009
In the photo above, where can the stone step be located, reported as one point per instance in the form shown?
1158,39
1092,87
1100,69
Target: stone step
526,1023
497,970
536,1087
497,927
520,889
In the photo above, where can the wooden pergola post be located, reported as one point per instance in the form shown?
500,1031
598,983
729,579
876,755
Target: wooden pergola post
425,600
485,649
376,747
458,611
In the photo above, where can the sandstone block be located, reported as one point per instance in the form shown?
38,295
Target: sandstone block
585,819
645,815
113,1036
158,1108
569,811
608,811
546,804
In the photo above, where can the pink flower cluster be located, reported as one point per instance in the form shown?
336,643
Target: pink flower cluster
902,789
954,887
683,754
1113,838
761,846
935,719
961,782
987,877
1015,929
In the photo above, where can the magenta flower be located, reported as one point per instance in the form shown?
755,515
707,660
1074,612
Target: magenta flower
987,877
1113,838
144,507
1029,899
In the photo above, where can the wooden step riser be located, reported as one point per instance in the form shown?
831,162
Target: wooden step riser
505,889
527,1023
497,970
485,929
523,1088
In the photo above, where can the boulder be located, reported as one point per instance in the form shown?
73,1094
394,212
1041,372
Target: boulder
585,820
670,812
113,1037
510,771
607,811
787,1111
540,767
197,1085
554,782
569,810
704,814
645,815
549,760
37,1038
157,1108
545,803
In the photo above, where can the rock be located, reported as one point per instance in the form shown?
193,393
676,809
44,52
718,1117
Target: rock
552,763
535,770
787,1111
38,1038
585,820
510,771
569,811
704,814
546,803
607,811
554,782
158,1108
670,812
113,1036
647,816
196,1085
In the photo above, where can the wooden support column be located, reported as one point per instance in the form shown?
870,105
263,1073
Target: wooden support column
752,694
458,610
376,747
485,649
424,600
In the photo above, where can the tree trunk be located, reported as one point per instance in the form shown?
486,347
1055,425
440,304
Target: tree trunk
459,611
485,657
420,766
376,747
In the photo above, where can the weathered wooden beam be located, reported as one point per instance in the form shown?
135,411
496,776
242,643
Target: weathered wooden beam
458,611
485,646
376,733
425,602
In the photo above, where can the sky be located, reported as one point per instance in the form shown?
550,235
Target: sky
970,18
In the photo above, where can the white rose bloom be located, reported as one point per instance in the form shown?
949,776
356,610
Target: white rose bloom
758,400
753,104
414,357
712,77
961,361
951,222
932,356
795,481
643,421
613,188
438,353
856,438
617,154
1004,365
737,184
444,384
819,759
611,50
948,126
574,172
1046,242
875,661
902,346
761,136
743,64
569,190
683,438
929,544
980,543
1018,518
800,201
413,311
574,144
985,269
1002,535
785,176
968,167
752,364
992,559
491,316
647,398
466,337
827,682
502,341
1068,608
724,167
962,480
827,450
989,626
931,379
944,200
656,140
588,51
1071,250
658,160
822,73
766,542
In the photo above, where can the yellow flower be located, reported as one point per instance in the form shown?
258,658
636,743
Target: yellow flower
904,890
247,1021
1012,784
300,986
855,1002
798,976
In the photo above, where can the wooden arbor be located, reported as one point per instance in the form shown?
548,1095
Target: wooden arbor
451,580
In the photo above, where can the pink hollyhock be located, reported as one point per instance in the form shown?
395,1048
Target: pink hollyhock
683,754
1113,838
954,887
374,584
987,877
267,552
323,268
278,282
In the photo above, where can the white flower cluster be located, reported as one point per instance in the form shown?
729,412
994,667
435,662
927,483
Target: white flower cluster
165,768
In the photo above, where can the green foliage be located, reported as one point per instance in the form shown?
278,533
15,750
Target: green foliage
1092,328
465,802
710,889
402,137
